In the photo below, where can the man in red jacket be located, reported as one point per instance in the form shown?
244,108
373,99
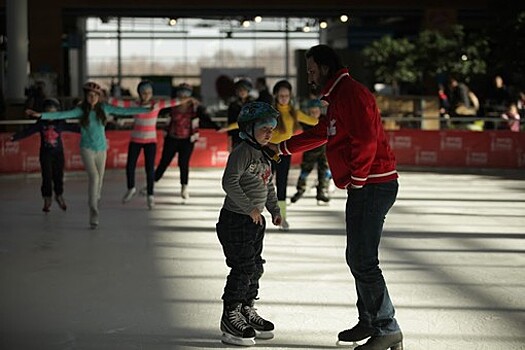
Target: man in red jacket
361,162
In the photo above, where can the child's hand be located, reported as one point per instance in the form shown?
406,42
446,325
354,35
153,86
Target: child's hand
32,113
256,216
277,220
194,102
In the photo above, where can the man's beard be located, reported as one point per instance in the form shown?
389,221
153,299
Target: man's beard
314,89
317,88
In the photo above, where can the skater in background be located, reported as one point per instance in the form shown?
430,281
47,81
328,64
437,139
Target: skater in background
51,153
312,158
144,137
512,117
36,95
93,116
247,181
181,134
288,123
242,96
264,93
362,163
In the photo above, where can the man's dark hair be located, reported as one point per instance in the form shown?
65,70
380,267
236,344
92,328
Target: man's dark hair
324,55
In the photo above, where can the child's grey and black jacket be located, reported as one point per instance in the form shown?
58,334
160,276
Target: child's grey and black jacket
248,182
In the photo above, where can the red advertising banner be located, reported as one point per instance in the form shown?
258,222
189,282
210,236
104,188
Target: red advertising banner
489,149
455,148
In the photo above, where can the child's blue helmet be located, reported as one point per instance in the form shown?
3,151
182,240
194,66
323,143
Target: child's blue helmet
255,114
315,102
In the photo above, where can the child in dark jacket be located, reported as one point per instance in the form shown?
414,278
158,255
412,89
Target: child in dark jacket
51,153
247,181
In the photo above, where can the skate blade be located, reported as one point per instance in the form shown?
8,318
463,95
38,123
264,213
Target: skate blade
323,204
347,344
265,335
233,340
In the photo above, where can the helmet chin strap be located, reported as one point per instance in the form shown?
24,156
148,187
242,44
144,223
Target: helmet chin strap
252,141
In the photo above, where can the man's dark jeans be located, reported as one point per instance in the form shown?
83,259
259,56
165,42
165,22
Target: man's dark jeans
242,243
366,209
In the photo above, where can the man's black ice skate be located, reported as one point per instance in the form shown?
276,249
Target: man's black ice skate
235,329
383,342
357,333
263,328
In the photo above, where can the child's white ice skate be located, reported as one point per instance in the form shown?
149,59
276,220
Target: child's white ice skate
184,193
130,193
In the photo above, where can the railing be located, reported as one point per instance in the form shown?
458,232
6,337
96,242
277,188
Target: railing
398,112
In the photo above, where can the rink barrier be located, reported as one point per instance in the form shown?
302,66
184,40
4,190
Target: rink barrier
425,148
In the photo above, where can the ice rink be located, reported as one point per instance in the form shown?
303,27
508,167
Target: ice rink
453,255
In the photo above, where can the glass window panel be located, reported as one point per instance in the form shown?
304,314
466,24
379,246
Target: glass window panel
149,46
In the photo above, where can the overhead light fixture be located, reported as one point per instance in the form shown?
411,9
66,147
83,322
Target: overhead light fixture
258,19
172,21
323,24
306,28
344,18
245,23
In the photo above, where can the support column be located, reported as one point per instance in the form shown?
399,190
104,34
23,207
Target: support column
78,59
17,49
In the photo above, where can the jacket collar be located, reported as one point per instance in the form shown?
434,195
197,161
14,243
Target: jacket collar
332,83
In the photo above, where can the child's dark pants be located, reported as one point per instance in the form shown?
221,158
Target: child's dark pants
242,243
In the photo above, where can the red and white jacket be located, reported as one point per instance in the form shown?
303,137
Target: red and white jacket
357,148
145,124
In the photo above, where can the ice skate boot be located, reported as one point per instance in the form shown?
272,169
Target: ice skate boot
61,202
383,342
322,198
235,329
298,195
93,218
151,201
47,204
357,333
285,226
263,328
184,192
129,195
